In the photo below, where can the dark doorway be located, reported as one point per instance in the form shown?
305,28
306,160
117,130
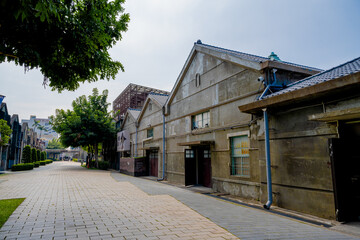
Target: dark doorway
153,162
345,159
198,166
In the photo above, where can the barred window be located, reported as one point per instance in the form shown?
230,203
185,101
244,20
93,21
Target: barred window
240,161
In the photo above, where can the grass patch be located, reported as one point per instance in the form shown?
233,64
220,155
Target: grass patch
7,207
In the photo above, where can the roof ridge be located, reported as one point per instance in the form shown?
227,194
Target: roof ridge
253,55
257,56
320,73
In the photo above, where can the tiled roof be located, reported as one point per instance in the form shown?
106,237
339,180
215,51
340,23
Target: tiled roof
345,69
160,98
251,57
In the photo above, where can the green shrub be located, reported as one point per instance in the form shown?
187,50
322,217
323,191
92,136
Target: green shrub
103,165
75,159
33,155
42,163
43,155
26,154
92,164
36,164
47,161
38,155
22,167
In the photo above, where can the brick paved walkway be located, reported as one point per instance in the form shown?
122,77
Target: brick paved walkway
65,201
245,223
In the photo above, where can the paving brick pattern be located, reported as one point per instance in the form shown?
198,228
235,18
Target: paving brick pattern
65,201
245,223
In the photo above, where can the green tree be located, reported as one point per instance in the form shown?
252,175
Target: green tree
38,155
67,39
54,144
88,124
26,155
33,155
5,131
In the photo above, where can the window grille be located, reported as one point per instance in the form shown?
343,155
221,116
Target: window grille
240,158
207,154
201,120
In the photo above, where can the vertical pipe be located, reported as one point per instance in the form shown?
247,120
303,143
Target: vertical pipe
163,148
136,140
268,161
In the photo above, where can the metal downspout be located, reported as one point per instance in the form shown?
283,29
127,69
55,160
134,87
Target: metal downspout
268,161
163,149
136,140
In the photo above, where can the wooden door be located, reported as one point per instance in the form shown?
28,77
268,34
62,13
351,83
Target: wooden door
153,163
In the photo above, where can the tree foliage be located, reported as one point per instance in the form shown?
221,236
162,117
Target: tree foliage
26,155
54,144
88,124
5,132
67,39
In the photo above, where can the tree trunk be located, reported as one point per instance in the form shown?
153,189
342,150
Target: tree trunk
96,155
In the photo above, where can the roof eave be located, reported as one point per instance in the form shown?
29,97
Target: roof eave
288,67
301,94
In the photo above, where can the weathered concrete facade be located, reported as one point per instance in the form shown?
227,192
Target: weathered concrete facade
214,82
130,124
314,131
150,132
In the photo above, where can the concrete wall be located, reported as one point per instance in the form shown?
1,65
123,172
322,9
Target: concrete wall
223,87
152,118
130,126
300,163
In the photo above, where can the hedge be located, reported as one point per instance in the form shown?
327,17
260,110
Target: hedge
22,167
42,163
103,165
36,164
47,161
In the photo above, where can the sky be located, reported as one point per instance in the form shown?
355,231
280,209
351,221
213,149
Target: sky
161,34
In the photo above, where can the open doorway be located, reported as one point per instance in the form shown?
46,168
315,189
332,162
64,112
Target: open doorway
345,159
198,166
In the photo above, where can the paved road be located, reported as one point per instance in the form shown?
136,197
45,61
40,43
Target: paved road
65,201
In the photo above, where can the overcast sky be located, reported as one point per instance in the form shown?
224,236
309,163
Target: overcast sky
317,33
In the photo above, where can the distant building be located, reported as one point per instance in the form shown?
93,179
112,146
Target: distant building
45,131
134,97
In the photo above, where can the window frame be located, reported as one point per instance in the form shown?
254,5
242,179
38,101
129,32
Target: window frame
150,132
240,165
200,120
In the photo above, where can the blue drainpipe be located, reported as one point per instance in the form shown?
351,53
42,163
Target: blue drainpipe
163,157
268,161
136,139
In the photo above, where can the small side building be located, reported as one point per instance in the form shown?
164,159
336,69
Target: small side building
314,135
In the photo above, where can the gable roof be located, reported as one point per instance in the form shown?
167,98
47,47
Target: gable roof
158,99
254,58
312,85
131,112
239,58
